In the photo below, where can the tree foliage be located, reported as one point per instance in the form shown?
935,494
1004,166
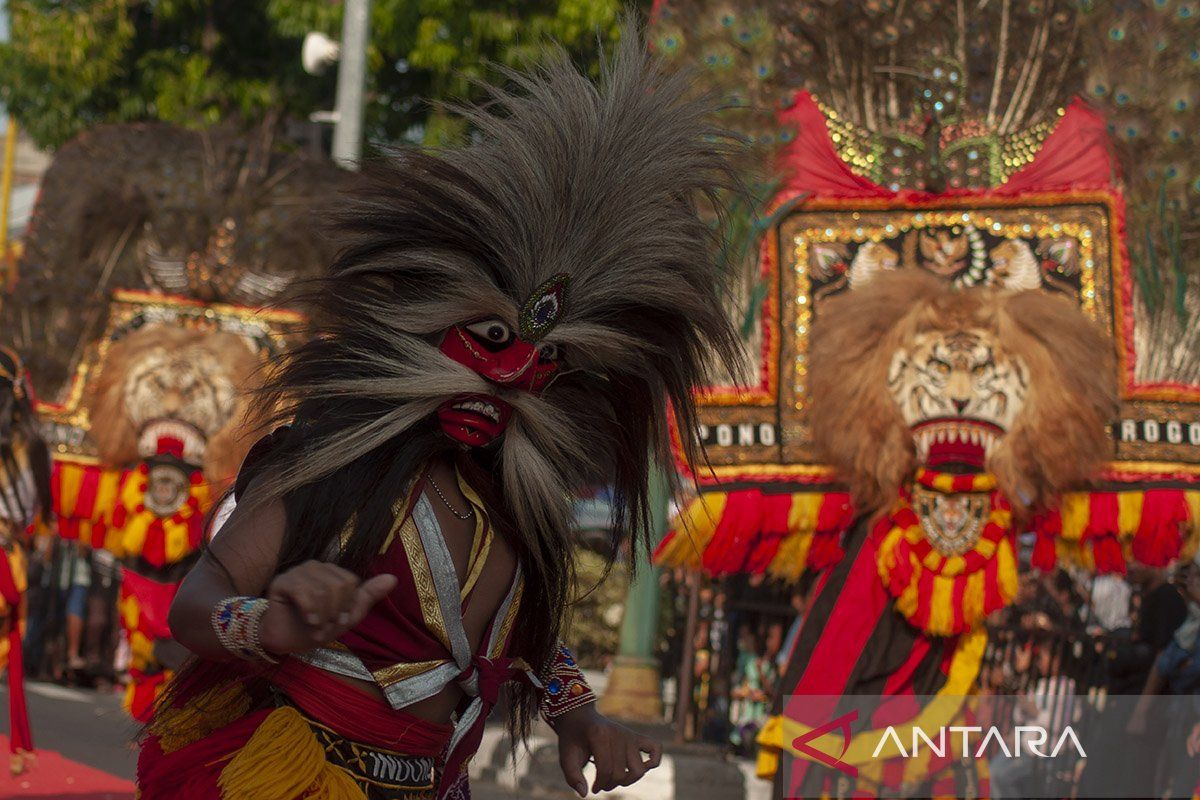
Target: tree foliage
74,63
427,51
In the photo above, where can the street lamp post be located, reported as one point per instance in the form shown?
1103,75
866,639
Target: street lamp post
352,73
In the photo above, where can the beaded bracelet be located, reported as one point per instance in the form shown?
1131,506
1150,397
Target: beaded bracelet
237,622
566,688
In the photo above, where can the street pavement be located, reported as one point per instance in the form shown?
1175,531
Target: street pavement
686,773
86,752
84,741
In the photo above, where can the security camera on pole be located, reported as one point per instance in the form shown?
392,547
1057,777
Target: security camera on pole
318,52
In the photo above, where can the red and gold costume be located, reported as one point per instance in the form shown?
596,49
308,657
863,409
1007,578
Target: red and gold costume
12,609
24,500
526,308
251,726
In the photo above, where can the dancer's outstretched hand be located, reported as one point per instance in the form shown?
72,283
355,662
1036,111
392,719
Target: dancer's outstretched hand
621,756
314,603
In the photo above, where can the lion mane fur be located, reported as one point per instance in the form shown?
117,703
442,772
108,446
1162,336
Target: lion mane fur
1058,439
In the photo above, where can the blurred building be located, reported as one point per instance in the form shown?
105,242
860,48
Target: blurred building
28,167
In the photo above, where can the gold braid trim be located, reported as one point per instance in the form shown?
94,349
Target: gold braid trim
509,619
418,563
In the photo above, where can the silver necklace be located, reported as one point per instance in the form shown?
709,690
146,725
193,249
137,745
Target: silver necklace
445,502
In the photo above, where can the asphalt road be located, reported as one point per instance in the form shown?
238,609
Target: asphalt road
85,726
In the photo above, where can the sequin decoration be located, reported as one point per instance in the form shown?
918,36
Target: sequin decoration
544,307
566,688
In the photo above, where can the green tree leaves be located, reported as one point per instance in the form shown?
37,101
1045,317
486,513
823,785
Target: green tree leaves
75,63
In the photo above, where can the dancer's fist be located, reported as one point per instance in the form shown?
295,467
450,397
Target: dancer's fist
316,602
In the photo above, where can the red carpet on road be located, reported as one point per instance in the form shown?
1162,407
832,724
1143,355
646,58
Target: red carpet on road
52,776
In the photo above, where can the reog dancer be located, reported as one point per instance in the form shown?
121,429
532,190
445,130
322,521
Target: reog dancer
506,324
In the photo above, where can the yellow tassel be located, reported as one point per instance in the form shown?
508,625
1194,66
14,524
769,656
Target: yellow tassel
886,557
1075,513
906,603
208,711
941,607
806,506
130,611
141,650
1191,531
175,540
1073,553
18,564
955,565
770,742
1129,512
986,548
70,478
282,761
1006,571
1001,517
133,535
692,531
791,559
106,492
944,483
973,596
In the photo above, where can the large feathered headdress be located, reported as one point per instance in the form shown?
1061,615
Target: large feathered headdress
604,191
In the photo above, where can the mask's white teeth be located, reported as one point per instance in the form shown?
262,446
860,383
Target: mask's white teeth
479,407
193,441
923,439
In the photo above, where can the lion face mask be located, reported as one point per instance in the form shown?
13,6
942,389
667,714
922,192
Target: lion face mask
909,372
172,394
951,413
959,393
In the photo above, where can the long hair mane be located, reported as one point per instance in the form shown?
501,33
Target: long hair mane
604,182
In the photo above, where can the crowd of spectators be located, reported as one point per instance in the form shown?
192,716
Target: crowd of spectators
72,633
1118,653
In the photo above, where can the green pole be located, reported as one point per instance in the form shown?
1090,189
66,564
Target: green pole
640,624
634,688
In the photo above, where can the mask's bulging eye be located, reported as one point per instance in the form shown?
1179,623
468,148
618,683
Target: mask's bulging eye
548,351
492,332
